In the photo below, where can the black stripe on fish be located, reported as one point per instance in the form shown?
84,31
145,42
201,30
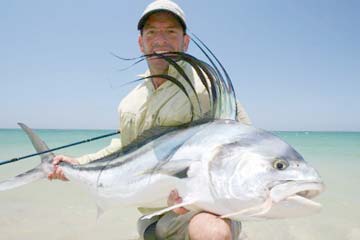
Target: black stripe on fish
146,137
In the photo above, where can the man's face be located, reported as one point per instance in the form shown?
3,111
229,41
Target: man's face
162,33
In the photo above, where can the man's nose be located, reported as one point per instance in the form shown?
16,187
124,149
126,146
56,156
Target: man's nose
161,38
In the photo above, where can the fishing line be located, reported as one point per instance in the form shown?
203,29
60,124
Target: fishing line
57,148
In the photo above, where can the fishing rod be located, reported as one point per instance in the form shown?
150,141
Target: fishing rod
57,148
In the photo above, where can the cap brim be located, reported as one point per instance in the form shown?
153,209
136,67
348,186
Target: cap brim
147,15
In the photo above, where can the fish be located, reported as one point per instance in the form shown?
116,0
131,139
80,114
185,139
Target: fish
225,167
216,163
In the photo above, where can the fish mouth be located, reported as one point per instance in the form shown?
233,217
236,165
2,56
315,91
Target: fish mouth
284,190
286,199
291,199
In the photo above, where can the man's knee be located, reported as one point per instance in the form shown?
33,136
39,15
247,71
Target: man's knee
210,227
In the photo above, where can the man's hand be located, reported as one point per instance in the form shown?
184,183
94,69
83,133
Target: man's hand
58,172
173,199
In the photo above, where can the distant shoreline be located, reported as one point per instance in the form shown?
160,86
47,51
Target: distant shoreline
274,131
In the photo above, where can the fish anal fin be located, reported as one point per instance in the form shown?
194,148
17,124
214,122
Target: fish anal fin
99,211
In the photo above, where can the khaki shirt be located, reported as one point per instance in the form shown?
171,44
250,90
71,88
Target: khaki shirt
146,107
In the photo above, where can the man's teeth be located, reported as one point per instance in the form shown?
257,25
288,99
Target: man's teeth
161,52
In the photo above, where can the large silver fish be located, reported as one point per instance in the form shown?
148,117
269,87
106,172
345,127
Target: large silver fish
225,167
217,165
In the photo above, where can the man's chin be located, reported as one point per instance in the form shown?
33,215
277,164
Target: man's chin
159,65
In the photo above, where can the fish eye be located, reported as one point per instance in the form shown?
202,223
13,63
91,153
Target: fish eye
280,164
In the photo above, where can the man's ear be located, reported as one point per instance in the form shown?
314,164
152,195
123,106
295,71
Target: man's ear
141,44
186,42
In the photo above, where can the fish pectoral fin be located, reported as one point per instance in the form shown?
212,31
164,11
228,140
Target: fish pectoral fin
179,173
177,168
252,211
162,211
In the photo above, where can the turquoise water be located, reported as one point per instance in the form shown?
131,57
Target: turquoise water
330,146
336,155
15,140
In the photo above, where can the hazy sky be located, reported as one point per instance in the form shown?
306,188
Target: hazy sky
294,64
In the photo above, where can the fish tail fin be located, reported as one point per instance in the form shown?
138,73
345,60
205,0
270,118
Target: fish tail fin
39,145
22,179
36,173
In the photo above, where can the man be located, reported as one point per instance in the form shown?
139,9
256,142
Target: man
158,102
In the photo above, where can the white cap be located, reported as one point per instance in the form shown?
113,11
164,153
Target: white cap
162,5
